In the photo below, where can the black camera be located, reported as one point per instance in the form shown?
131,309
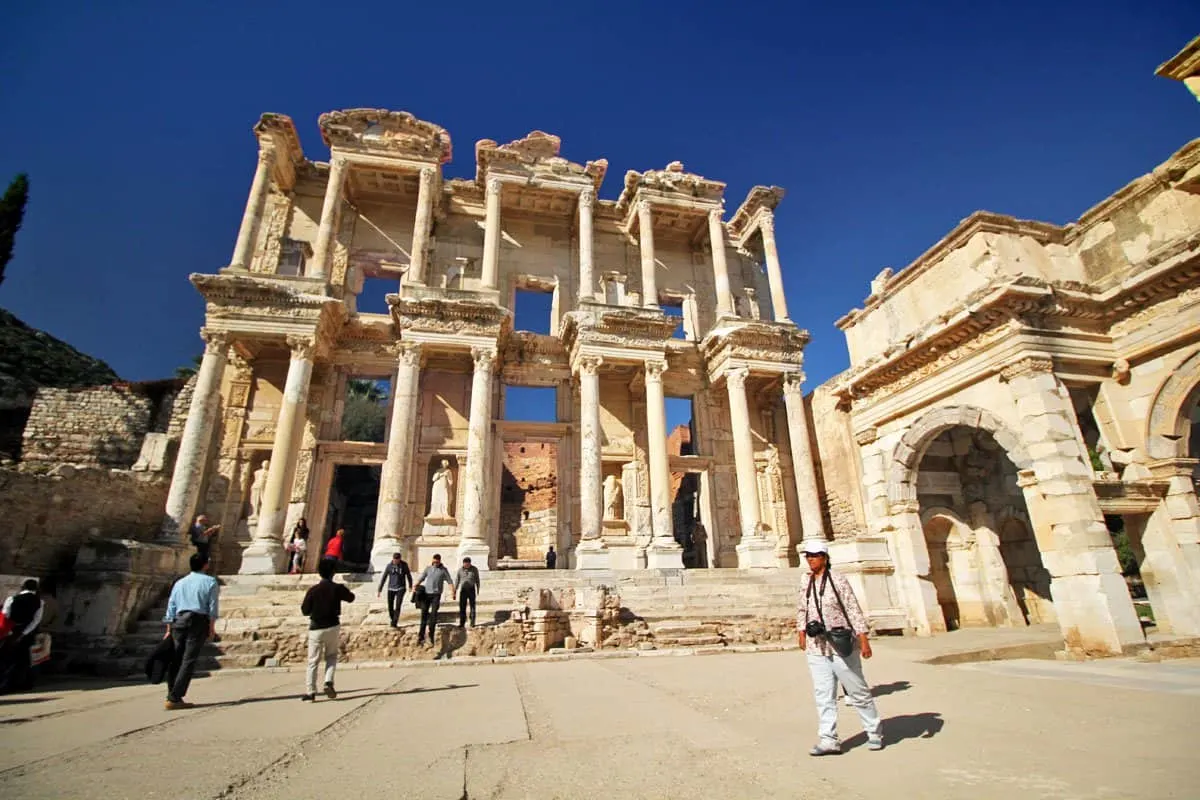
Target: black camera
814,628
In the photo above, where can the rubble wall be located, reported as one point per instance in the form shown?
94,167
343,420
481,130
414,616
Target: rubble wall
839,473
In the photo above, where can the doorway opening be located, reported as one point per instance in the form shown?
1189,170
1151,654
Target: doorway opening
528,501
353,499
1127,532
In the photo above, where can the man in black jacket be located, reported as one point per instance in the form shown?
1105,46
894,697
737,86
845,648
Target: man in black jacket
24,614
323,607
396,574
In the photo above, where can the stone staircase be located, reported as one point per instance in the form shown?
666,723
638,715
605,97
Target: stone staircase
261,623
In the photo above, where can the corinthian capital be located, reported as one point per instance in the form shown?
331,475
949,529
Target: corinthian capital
426,177
484,358
590,365
587,198
493,187
793,383
266,156
643,208
737,377
215,341
766,224
655,370
302,347
408,354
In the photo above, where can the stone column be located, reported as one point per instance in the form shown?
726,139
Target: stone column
420,240
1090,596
753,550
329,215
397,468
587,279
591,553
811,521
646,232
265,555
244,249
766,226
197,434
716,236
491,239
664,552
474,533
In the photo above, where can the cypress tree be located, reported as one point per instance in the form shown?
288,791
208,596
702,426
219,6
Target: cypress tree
12,211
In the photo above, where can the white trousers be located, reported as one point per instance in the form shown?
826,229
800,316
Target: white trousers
826,671
325,640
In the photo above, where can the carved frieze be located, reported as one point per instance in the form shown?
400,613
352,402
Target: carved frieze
385,132
266,258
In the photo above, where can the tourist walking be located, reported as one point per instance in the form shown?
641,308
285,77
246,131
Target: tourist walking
202,534
297,547
833,635
22,618
191,619
323,606
467,581
551,558
396,574
430,583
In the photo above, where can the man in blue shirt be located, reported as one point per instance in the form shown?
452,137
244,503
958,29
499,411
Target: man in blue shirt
191,619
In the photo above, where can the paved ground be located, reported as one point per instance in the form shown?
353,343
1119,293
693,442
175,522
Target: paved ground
729,726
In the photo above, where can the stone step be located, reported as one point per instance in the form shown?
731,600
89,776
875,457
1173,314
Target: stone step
689,641
672,629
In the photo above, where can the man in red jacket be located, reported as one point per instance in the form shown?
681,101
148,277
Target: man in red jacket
334,550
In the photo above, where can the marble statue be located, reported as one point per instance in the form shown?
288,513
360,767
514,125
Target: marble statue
256,488
612,497
440,492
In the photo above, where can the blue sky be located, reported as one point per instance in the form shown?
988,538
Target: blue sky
886,122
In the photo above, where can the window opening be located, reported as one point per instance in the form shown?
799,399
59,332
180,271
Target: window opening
531,403
364,415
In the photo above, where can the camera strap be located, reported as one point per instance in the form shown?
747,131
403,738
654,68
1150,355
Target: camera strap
811,591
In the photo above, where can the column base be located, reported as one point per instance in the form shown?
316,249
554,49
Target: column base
263,558
592,554
756,554
478,552
664,555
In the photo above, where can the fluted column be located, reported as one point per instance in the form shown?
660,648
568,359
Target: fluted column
646,233
811,520
753,550
716,236
587,278
474,532
329,214
664,552
766,226
397,468
197,434
265,554
244,249
491,236
591,552
420,240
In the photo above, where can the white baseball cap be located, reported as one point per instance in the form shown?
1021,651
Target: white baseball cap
815,546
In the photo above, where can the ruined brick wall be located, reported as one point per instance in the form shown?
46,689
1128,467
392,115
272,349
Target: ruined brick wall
46,517
839,474
528,499
103,425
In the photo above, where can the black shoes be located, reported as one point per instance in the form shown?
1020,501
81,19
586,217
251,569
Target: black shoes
330,692
308,697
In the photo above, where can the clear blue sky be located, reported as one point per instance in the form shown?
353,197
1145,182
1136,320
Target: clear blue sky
886,122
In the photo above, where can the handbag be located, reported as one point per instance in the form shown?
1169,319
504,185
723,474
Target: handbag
419,596
841,639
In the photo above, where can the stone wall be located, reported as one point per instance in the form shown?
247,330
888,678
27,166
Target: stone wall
528,499
48,516
839,473
99,426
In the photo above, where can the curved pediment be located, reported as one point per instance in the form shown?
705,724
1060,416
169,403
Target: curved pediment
377,130
535,155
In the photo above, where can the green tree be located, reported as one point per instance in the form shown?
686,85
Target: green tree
188,370
364,417
12,212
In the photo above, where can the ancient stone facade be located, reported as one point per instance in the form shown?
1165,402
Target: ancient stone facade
298,316
1013,390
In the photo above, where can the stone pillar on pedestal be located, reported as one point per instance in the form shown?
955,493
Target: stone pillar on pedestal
197,434
265,555
474,532
766,226
753,550
716,236
587,278
420,240
329,215
663,552
244,249
397,468
591,553
491,239
1090,596
646,240
812,522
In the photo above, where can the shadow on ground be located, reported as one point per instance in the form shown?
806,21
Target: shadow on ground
925,725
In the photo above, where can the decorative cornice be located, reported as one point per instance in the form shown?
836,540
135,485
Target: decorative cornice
449,315
1183,64
1030,365
669,182
281,131
378,130
535,156
760,199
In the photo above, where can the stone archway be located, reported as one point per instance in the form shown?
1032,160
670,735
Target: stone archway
1169,425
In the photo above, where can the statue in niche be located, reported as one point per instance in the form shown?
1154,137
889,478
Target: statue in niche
440,490
256,488
612,497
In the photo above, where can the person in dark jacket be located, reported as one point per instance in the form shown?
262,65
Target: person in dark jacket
396,574
323,607
23,611
551,558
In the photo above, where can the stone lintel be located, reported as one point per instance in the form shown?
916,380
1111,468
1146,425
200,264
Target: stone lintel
468,314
